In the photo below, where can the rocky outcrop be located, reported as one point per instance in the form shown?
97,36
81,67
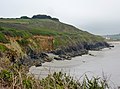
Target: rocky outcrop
79,49
35,59
64,53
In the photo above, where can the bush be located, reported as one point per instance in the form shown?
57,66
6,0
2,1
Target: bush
62,81
1,29
15,77
23,42
41,17
94,83
24,17
6,75
3,48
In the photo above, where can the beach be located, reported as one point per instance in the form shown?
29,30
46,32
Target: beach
105,62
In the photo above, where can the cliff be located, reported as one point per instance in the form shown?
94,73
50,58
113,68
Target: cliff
28,40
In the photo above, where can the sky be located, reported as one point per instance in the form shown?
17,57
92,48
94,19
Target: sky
101,17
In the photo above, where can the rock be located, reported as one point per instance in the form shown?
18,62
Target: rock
58,58
63,53
38,65
65,57
112,46
83,61
91,54
43,55
69,58
48,59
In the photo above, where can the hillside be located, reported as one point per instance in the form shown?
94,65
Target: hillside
28,27
27,38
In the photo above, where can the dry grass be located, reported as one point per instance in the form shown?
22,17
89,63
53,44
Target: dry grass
14,76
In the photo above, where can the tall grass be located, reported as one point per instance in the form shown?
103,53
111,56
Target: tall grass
3,48
14,76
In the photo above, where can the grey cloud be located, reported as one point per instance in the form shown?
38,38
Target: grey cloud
87,14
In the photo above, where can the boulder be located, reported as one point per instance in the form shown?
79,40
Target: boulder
58,58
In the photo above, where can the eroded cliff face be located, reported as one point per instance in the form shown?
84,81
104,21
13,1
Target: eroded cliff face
21,47
33,50
44,42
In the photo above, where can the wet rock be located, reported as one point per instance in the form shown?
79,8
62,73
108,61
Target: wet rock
91,54
43,55
63,53
58,58
65,57
38,65
48,59
112,46
79,49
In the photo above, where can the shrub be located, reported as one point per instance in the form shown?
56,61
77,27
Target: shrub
16,78
23,42
94,83
3,48
27,83
5,75
3,38
41,17
24,17
1,29
16,33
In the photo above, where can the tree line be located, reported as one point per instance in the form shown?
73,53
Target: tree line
40,17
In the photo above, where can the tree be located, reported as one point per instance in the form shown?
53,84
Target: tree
41,17
24,17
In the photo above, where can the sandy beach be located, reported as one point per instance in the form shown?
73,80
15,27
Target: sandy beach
106,61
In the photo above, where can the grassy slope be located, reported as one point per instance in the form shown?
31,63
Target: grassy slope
64,34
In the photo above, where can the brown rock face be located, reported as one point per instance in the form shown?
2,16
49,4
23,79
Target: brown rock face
45,42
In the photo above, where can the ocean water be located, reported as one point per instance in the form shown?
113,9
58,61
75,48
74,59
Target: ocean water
105,62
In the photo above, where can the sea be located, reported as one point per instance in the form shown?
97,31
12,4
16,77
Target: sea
104,63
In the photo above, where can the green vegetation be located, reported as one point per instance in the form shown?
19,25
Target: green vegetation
14,77
22,30
44,17
43,32
23,42
3,48
15,33
24,17
64,34
3,38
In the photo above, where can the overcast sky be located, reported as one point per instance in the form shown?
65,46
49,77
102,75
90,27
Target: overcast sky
96,16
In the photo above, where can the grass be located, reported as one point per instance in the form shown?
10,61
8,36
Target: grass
3,48
43,32
63,34
23,42
43,25
15,33
14,77
60,38
3,38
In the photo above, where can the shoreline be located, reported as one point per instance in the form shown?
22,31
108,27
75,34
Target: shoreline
92,65
64,65
37,59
